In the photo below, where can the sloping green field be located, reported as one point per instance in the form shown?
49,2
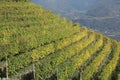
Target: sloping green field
36,44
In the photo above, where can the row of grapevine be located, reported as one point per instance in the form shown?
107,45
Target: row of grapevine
21,17
66,69
28,8
110,67
41,52
9,27
118,69
118,76
27,23
48,64
93,67
38,54
14,4
18,37
18,63
40,18
27,43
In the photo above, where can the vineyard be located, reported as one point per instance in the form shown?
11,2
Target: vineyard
36,44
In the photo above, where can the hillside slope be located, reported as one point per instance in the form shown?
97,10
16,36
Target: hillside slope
37,44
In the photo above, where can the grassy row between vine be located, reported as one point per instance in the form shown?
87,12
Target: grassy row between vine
93,67
26,44
42,51
18,63
110,67
66,69
24,35
47,65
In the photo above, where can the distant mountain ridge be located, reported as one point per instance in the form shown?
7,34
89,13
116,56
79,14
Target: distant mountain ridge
100,15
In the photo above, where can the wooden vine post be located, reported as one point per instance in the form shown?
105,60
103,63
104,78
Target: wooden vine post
6,69
80,74
33,71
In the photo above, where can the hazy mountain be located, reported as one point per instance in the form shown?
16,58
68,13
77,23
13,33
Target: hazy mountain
67,5
100,15
105,8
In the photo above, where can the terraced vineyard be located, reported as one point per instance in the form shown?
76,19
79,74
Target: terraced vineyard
36,44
